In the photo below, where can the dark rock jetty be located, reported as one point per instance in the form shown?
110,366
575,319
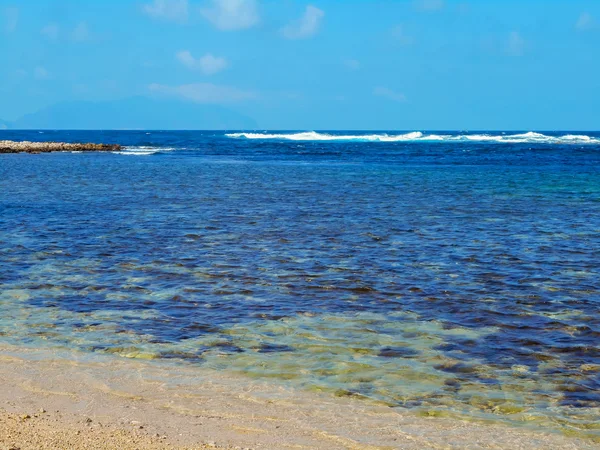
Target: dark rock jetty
47,147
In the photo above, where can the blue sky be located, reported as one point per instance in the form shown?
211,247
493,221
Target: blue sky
322,64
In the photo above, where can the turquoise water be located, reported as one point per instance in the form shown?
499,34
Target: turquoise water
448,273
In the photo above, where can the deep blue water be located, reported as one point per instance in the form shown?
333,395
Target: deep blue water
452,273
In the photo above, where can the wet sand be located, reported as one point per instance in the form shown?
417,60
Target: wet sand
109,402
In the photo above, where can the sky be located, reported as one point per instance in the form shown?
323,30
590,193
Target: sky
314,65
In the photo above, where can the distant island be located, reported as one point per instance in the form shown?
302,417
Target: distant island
134,113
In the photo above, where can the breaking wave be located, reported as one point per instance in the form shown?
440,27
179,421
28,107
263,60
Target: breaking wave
143,150
417,136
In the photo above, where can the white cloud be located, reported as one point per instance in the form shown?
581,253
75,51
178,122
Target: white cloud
11,19
41,73
204,92
352,64
516,44
171,10
207,64
400,36
228,15
429,5
585,22
81,32
50,31
306,26
186,58
389,94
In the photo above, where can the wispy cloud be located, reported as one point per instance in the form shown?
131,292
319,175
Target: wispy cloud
352,64
41,73
11,19
429,5
399,35
171,10
229,15
81,32
207,64
50,31
388,93
305,27
516,44
585,22
204,93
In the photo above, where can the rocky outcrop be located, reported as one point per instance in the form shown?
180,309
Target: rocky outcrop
46,147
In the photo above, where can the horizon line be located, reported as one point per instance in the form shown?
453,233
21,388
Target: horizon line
304,130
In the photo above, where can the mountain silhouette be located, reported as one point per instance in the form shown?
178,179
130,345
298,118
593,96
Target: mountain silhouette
131,114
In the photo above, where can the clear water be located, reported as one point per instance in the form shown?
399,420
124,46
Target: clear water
455,276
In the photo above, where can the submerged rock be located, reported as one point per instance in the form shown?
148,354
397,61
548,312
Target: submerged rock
46,147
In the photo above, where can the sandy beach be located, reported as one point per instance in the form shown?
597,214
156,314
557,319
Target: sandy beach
53,400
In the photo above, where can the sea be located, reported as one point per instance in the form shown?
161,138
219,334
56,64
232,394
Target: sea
447,273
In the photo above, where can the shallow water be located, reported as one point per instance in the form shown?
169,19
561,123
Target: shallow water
457,277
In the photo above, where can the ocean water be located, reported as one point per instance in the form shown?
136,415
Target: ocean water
449,273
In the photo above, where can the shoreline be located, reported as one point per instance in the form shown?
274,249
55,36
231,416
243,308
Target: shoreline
142,404
48,147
